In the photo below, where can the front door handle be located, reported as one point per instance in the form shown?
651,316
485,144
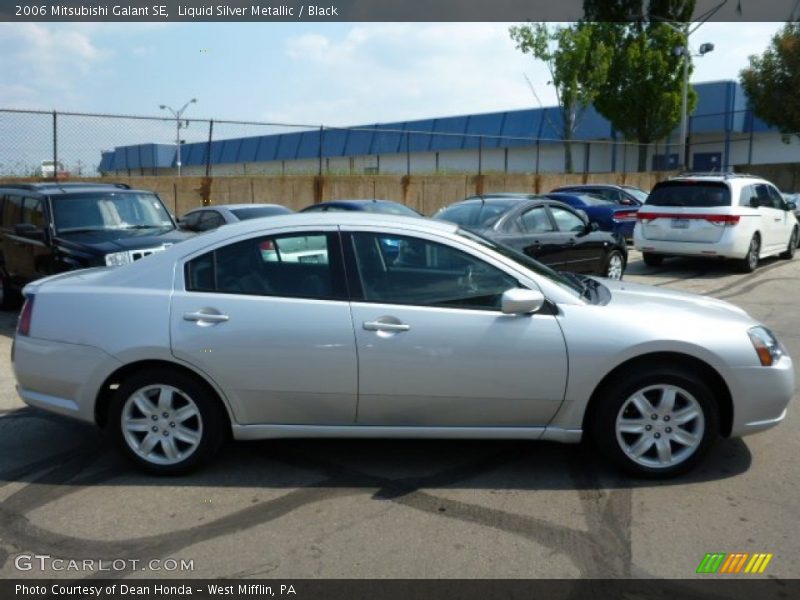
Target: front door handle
201,317
778,219
385,326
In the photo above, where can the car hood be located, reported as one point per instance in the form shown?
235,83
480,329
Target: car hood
658,302
116,240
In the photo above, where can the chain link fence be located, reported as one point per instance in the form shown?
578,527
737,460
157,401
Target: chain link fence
63,144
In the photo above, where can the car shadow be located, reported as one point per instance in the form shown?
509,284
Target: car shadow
678,268
79,454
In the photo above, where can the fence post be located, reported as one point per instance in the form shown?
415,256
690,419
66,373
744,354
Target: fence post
587,158
55,145
321,133
480,155
208,150
408,153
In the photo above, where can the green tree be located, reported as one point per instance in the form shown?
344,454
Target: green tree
642,94
772,82
578,67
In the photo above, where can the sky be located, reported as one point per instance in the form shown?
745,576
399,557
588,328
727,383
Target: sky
305,73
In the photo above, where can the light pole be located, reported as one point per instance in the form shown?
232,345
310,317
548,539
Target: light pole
178,114
686,54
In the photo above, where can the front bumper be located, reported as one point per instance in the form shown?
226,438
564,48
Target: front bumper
761,396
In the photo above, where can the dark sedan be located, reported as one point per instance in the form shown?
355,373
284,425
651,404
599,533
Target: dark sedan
386,207
609,215
549,231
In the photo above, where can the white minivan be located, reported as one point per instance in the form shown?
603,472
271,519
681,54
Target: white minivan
727,215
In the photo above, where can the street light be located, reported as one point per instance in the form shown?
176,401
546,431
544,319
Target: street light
178,125
686,53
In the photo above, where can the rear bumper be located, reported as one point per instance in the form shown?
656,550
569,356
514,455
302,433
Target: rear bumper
59,377
728,246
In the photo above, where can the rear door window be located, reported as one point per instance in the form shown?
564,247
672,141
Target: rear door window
690,194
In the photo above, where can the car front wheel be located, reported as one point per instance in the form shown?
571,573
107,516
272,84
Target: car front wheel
166,421
656,424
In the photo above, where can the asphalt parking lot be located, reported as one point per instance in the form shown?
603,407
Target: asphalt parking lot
408,509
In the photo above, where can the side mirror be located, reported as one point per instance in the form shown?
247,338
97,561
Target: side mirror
791,205
754,203
26,229
518,301
593,226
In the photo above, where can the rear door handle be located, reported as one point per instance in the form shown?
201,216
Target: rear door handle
384,326
201,316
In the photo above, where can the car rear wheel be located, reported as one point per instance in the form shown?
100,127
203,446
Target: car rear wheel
792,248
750,262
615,265
166,421
652,260
657,424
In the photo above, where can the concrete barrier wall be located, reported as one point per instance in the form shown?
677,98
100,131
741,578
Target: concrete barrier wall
425,193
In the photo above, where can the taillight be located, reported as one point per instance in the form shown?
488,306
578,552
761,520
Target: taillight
625,215
723,219
24,324
717,219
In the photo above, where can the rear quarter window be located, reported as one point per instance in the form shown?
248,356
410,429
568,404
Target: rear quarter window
690,194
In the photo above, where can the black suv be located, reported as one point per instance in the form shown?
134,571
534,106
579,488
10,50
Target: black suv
47,228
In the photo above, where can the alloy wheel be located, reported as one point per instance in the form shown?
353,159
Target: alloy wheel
161,424
616,266
752,255
660,426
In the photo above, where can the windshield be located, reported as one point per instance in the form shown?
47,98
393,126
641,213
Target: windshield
109,211
640,195
571,283
694,194
260,211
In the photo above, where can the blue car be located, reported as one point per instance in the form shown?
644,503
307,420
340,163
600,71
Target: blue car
609,215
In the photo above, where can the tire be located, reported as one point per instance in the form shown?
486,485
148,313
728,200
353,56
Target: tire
749,263
11,298
652,260
185,431
792,247
615,265
669,448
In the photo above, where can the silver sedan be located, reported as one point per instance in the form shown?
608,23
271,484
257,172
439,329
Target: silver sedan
359,325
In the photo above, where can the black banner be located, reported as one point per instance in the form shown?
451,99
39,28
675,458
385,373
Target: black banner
734,588
361,10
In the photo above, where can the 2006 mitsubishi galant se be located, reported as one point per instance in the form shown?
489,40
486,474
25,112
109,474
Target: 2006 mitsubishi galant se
365,325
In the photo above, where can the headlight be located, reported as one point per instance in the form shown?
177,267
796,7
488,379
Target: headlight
767,346
115,259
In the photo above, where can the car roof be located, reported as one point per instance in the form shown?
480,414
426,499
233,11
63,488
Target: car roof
311,219
357,202
578,186
234,206
62,188
500,196
716,177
